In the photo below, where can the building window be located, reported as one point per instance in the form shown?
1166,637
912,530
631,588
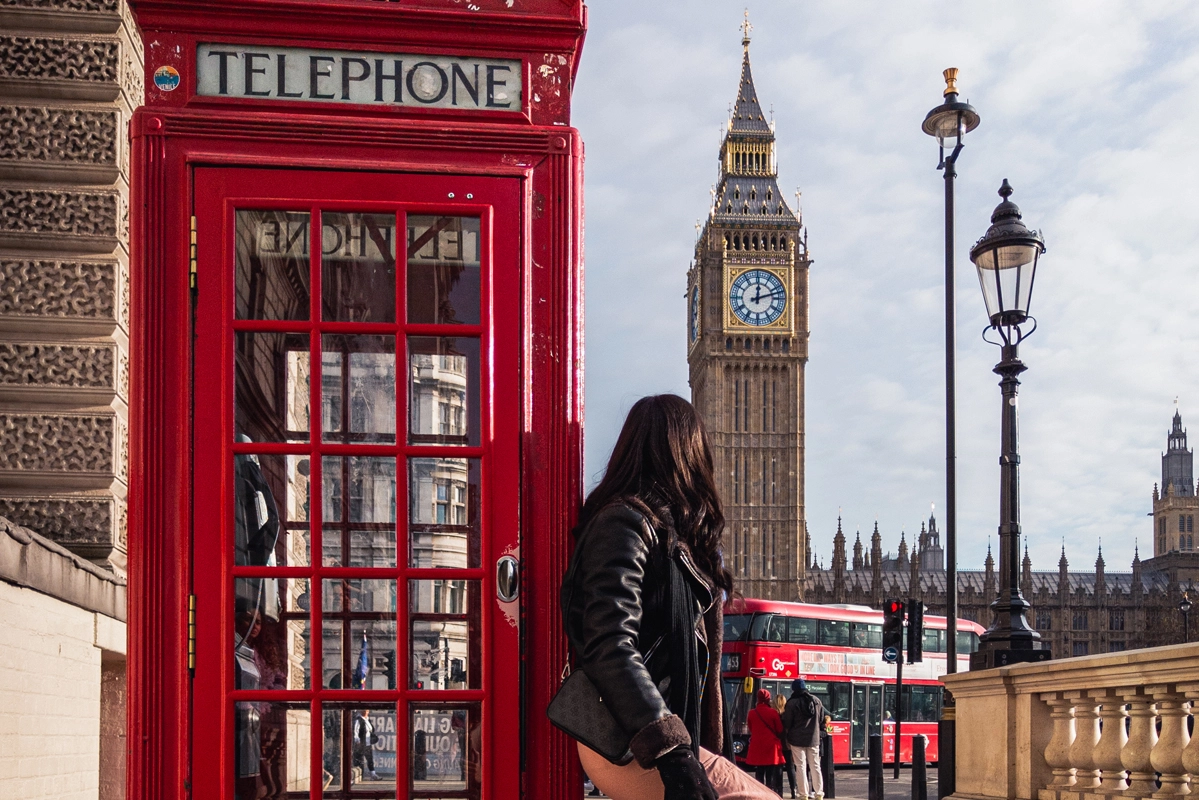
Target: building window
1115,647
1115,619
1081,648
1182,523
1190,523
774,404
747,395
1080,620
1044,620
766,401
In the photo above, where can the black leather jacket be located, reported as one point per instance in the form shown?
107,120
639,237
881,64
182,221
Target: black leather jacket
616,613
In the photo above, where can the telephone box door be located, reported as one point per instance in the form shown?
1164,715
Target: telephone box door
356,480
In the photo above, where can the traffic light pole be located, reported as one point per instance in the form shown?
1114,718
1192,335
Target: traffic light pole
898,709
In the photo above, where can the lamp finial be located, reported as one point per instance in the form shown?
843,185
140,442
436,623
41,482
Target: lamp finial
951,81
1005,189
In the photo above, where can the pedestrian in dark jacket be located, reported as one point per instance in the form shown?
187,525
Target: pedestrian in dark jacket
803,721
643,611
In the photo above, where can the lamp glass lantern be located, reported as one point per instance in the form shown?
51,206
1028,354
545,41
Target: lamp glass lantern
951,120
1006,259
1185,605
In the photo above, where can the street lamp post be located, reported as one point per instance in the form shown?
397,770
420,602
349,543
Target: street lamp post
1184,606
950,122
1006,259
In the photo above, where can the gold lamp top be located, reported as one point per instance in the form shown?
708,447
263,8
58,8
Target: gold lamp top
951,81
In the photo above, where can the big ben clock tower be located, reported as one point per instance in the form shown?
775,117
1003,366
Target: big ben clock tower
747,303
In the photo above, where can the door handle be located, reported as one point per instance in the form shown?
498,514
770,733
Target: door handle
507,579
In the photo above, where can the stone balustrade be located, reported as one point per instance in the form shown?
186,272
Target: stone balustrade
1090,728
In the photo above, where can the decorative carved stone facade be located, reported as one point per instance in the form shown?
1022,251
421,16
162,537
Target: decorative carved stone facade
747,304
70,75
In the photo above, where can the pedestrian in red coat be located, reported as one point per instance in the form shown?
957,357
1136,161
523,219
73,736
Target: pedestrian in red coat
766,743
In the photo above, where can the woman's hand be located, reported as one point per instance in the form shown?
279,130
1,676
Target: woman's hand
683,776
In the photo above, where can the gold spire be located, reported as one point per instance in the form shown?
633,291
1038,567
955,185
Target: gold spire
746,27
951,80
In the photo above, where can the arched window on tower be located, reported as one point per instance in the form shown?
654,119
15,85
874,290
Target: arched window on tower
728,241
755,241
728,343
753,194
763,209
736,406
774,243
783,240
729,208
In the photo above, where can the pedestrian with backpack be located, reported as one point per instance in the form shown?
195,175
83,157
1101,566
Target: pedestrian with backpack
803,721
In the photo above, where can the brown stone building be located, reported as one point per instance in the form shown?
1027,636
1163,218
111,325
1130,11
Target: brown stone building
70,75
1077,612
747,306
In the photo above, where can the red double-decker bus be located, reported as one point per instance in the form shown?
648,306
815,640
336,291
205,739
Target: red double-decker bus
837,649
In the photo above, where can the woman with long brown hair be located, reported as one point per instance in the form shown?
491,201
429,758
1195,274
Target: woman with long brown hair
642,610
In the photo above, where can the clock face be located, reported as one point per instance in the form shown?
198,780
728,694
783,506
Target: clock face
694,313
758,297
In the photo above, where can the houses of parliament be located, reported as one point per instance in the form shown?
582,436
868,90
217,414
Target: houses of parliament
748,331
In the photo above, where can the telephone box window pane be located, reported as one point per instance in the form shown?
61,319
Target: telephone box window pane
359,634
359,752
443,270
443,390
445,635
272,265
358,267
271,633
445,747
270,399
270,511
358,527
272,749
358,389
443,512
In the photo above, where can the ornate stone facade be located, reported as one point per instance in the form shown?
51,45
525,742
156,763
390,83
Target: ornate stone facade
70,76
1076,612
747,305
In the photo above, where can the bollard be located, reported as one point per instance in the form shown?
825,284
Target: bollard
875,783
946,755
827,769
919,773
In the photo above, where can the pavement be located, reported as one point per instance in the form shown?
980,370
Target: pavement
853,784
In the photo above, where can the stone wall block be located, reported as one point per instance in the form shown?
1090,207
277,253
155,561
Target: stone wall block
42,364
59,289
56,144
81,520
67,443
61,67
62,219
93,6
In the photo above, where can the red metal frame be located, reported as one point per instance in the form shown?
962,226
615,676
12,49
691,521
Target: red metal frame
175,135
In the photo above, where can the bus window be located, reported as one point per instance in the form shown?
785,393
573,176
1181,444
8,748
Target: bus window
923,703
863,634
934,641
967,642
776,688
801,630
735,627
768,628
834,632
837,706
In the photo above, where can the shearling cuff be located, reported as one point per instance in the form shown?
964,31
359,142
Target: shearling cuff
657,738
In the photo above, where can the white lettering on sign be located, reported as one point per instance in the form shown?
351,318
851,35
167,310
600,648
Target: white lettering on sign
336,76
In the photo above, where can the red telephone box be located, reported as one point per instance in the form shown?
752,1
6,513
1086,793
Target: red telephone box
357,278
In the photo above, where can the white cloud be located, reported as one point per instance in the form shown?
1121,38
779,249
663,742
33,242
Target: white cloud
1089,108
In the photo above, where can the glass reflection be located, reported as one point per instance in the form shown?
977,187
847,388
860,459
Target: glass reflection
444,644
270,633
443,269
270,400
272,750
443,390
272,265
443,512
358,267
445,747
359,634
270,512
367,735
359,525
358,389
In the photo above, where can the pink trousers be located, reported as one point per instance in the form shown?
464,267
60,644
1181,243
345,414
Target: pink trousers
632,782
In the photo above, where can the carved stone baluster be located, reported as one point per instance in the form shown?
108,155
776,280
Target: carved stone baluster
1166,756
1111,741
1142,738
1190,753
1057,752
1086,737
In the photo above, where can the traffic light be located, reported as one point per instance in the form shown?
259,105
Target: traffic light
893,626
389,668
915,631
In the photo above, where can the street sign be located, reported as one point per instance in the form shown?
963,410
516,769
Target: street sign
890,654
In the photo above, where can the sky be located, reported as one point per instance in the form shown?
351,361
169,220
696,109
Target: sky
1090,109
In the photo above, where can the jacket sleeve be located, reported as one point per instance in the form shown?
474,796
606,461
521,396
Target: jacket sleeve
611,575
